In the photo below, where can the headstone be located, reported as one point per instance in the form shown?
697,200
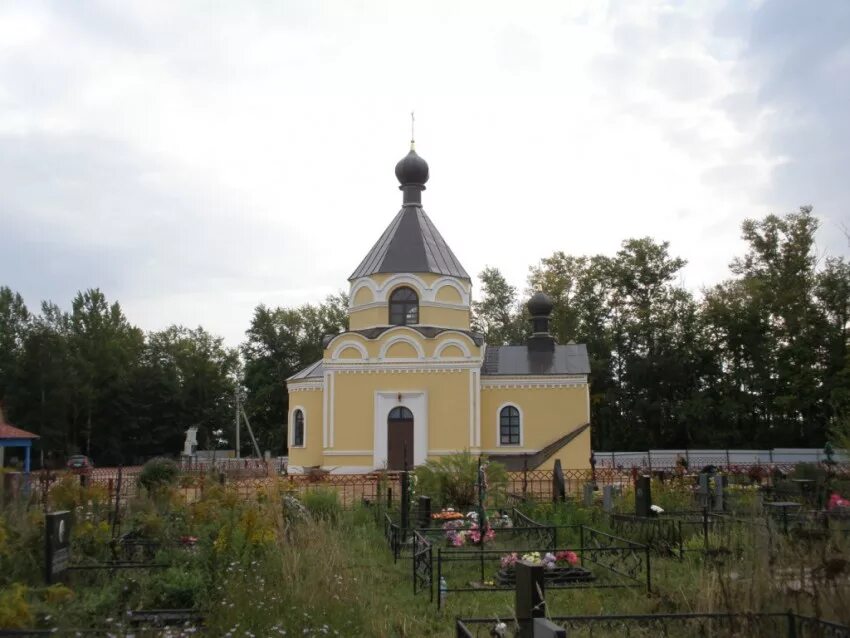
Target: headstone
719,490
703,491
588,494
57,547
643,496
530,597
608,498
559,492
424,511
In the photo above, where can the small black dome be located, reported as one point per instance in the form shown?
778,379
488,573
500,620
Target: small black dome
412,169
540,304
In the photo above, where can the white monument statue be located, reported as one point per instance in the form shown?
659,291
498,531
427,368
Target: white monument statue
191,443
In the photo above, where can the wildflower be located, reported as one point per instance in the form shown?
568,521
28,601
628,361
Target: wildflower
568,557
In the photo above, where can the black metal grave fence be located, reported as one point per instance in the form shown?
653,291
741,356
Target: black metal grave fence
618,563
754,625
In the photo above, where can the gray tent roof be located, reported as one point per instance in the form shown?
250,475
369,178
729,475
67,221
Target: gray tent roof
519,360
411,243
314,370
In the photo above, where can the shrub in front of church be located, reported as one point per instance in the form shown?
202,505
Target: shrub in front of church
158,474
451,481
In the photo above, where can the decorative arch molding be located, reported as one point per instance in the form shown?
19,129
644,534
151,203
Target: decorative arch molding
404,279
420,352
366,282
449,281
349,343
428,294
445,343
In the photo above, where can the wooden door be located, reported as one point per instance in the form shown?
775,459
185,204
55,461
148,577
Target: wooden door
399,439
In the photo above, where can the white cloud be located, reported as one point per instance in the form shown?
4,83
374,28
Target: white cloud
196,160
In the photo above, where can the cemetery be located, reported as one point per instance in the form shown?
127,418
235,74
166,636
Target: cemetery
160,552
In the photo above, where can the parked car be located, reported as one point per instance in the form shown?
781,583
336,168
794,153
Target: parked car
80,464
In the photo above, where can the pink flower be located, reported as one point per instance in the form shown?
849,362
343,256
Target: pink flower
835,500
509,560
566,557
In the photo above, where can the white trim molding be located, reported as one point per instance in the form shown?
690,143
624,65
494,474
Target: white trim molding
402,339
445,343
573,381
330,418
350,343
396,366
417,402
381,292
291,437
510,446
347,452
304,386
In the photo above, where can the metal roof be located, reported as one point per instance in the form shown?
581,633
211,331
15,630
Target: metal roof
519,360
314,370
411,243
9,431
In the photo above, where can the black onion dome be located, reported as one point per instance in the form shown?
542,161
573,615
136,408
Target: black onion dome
540,304
412,169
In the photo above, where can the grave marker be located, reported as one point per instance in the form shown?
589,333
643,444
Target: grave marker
608,498
559,492
588,494
719,492
703,492
643,496
424,511
531,604
57,547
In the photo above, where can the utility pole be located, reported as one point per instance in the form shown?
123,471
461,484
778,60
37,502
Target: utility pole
238,408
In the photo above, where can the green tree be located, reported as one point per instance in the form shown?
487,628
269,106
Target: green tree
105,350
15,322
187,378
498,316
279,343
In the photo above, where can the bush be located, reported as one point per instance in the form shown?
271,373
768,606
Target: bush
158,474
323,504
15,610
451,481
177,588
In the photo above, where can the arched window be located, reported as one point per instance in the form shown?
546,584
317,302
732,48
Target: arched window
509,426
400,413
404,307
298,429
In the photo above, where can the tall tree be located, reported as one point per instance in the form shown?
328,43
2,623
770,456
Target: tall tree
187,378
279,343
498,316
105,349
14,325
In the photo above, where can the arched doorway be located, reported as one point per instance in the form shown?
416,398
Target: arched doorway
399,438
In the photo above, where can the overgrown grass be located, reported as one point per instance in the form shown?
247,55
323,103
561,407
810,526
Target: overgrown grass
259,569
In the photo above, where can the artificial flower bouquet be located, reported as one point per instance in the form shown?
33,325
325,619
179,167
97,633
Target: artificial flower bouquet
560,568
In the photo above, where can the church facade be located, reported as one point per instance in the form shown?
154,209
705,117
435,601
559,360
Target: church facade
411,381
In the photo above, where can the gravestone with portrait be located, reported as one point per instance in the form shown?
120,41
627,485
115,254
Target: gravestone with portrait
643,497
57,548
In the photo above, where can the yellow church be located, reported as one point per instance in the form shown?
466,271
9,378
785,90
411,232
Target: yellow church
411,381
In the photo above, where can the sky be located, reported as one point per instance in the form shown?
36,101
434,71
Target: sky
196,159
